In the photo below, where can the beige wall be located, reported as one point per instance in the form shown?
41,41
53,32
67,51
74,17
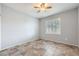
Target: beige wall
0,32
68,28
78,26
0,26
0,9
17,28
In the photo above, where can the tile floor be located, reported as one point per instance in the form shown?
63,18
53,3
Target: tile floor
41,48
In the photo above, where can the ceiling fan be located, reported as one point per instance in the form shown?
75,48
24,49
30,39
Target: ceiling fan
42,7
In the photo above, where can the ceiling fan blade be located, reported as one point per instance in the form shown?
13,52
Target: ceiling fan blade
49,7
36,7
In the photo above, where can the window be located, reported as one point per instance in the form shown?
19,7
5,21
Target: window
53,26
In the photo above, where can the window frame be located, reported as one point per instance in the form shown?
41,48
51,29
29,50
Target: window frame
52,32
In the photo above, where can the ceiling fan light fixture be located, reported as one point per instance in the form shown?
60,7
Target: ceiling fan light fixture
42,6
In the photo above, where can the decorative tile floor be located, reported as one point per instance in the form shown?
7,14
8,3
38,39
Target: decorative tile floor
41,48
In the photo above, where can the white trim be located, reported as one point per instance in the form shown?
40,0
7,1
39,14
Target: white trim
63,43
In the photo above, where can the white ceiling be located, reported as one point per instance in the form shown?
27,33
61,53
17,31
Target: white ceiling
28,8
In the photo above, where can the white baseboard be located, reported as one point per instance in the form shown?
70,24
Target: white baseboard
63,43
